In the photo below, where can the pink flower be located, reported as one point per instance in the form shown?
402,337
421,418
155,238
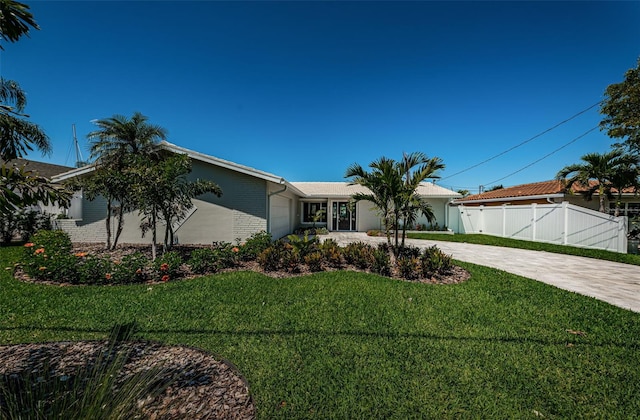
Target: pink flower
39,251
235,249
29,245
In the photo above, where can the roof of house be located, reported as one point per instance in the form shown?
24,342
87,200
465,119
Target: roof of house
345,189
552,188
44,169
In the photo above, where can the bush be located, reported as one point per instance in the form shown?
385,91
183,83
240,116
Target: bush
359,254
303,245
271,258
168,266
332,253
253,246
203,261
314,261
47,256
22,224
93,269
434,261
130,270
381,262
408,267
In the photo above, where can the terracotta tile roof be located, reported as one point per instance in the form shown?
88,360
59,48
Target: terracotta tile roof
543,188
46,170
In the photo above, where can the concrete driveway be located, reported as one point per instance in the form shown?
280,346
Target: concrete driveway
615,283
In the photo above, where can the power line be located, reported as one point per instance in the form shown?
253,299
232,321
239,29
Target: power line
522,143
545,156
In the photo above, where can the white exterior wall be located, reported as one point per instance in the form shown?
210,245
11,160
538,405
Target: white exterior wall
562,223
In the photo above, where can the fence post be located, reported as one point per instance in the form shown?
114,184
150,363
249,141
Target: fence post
565,212
534,207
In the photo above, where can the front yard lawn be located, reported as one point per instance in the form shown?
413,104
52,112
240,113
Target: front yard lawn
354,345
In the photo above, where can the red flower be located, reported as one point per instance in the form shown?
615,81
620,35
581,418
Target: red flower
80,254
235,249
107,276
165,278
164,267
29,245
39,251
139,271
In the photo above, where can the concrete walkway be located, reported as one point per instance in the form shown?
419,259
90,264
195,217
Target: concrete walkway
615,283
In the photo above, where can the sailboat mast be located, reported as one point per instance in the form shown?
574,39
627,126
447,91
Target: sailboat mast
79,161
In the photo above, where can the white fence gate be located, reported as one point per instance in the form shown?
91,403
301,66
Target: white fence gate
561,223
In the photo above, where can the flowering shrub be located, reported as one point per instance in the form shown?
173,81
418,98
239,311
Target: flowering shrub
47,256
168,266
203,261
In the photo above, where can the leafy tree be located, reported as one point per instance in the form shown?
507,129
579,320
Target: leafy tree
601,168
164,194
621,110
625,176
20,187
15,20
115,146
463,193
494,188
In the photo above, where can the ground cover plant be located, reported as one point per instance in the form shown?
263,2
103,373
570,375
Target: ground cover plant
357,345
481,239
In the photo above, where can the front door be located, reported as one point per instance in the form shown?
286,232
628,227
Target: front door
343,216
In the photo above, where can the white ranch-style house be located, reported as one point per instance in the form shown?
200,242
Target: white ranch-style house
252,201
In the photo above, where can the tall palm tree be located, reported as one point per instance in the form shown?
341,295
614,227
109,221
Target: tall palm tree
625,176
415,168
114,146
383,184
601,168
15,20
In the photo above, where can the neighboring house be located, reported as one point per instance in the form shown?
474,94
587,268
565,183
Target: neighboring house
547,192
46,170
252,201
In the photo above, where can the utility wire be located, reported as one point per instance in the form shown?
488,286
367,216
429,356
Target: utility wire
545,156
522,143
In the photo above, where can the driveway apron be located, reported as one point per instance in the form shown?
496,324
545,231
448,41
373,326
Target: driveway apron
615,283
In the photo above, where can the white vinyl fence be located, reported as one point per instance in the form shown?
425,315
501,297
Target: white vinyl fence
561,223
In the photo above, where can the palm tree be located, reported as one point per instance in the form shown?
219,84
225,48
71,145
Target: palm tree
415,168
601,168
15,20
17,134
625,176
383,183
114,146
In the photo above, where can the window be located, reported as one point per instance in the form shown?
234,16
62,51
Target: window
310,210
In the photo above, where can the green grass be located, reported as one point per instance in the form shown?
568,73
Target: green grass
352,345
481,239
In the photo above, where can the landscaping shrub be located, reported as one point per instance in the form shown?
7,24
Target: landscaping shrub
93,269
167,267
271,258
314,261
381,261
203,261
408,267
359,254
254,245
332,253
434,261
47,256
303,245
225,254
131,269
22,224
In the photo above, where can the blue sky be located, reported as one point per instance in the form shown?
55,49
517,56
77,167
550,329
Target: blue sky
304,89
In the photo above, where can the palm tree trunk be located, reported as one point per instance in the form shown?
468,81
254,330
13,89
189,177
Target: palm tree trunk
404,230
153,236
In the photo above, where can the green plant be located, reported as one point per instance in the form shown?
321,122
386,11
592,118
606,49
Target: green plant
93,269
304,244
203,261
359,254
131,269
434,261
271,258
381,261
254,245
47,256
408,267
168,266
332,253
314,261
